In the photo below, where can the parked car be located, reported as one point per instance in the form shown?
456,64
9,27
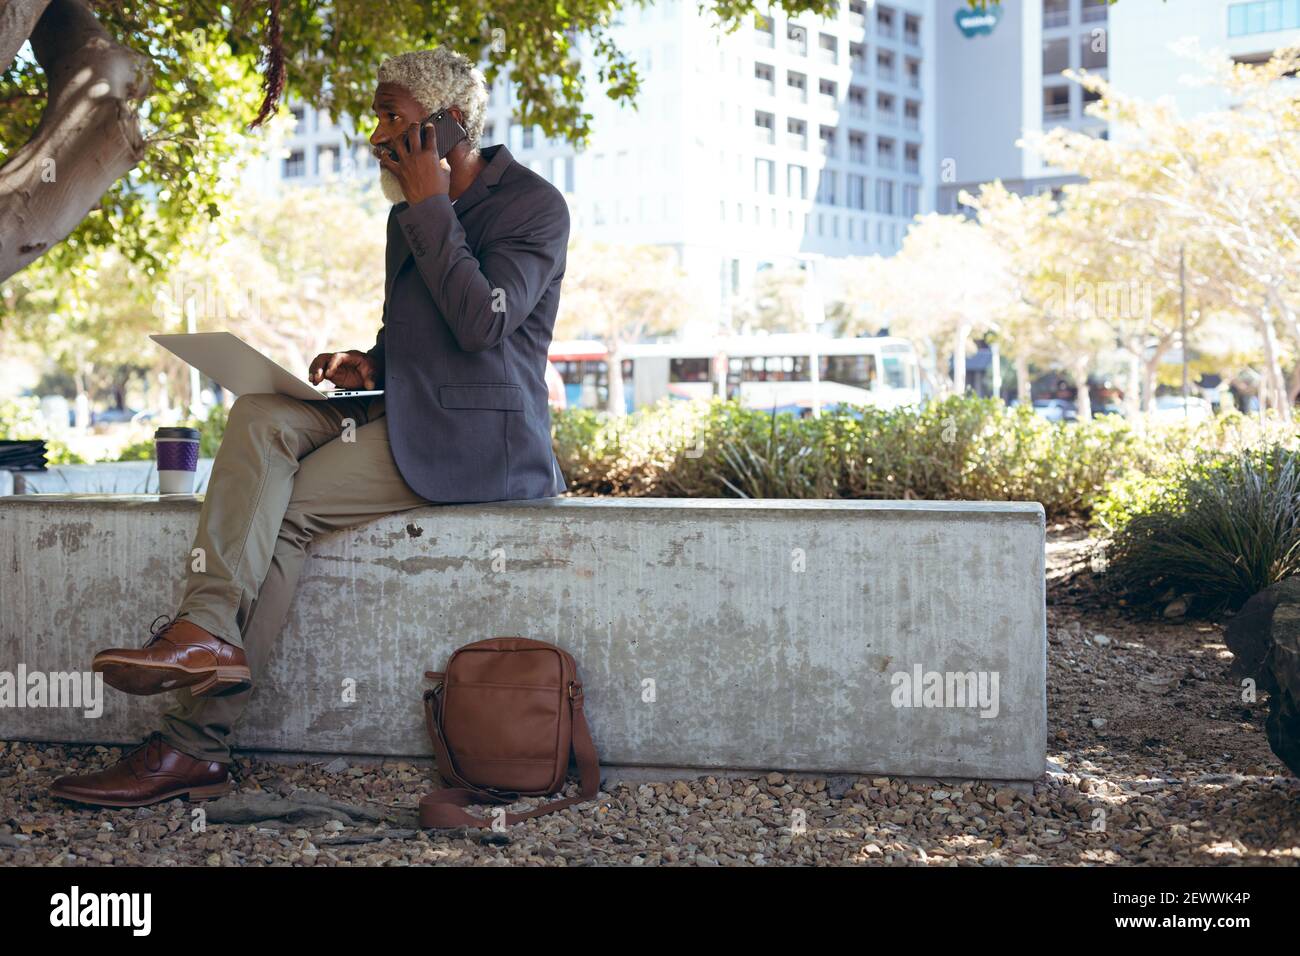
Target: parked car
1170,408
113,416
1056,410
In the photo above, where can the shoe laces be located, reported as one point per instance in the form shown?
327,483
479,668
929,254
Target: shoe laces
157,630
153,751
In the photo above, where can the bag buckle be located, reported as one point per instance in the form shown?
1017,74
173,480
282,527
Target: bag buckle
574,694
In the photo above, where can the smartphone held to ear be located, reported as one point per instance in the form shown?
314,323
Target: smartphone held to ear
445,127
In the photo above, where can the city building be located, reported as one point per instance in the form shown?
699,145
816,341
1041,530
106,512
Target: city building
1001,80
796,139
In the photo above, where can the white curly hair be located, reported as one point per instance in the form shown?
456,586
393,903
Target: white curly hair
440,79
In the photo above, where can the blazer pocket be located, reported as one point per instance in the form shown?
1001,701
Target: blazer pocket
504,396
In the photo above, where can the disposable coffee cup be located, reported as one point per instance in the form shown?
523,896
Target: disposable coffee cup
177,454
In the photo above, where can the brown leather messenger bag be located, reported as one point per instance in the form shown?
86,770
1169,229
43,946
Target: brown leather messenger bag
504,718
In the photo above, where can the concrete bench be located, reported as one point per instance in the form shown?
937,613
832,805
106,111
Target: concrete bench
829,636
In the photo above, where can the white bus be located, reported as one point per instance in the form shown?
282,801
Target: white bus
797,373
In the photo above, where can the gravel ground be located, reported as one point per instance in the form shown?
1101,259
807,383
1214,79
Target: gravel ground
1153,759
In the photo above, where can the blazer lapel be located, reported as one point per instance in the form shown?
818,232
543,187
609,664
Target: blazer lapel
396,251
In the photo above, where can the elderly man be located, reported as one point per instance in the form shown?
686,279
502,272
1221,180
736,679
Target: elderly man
475,256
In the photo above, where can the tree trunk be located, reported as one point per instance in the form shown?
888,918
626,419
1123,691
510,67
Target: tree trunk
617,403
18,18
1082,398
959,360
88,136
1024,387
1274,384
1133,393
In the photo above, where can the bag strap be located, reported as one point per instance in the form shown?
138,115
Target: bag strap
442,808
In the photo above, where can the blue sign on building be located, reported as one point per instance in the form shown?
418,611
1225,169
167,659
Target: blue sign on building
974,22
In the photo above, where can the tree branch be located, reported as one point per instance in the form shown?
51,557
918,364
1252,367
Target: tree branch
87,139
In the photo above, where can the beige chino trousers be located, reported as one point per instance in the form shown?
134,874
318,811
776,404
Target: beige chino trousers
287,471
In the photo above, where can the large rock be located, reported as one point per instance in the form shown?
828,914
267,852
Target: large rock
1264,638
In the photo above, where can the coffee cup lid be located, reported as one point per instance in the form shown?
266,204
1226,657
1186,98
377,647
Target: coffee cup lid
192,434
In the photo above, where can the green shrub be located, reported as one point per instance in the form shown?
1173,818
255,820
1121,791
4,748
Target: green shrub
1218,528
958,448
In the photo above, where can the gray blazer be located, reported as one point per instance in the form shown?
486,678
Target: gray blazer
470,296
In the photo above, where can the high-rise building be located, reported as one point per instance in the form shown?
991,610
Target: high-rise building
792,138
1000,80
798,138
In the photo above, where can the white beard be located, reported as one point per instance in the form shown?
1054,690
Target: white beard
391,186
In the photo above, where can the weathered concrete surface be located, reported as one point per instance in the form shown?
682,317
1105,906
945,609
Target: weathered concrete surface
109,477
700,640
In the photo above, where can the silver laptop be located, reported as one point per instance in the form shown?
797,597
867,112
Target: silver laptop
235,365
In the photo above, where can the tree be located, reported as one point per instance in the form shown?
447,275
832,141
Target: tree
124,103
618,295
293,275
1222,187
777,302
947,283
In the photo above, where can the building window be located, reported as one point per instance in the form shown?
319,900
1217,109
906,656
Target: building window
1056,103
796,133
885,65
828,93
886,108
1056,13
828,140
858,13
858,57
295,165
1264,16
857,147
857,102
912,114
828,48
911,200
528,137
884,199
886,155
826,187
796,40
1094,11
765,176
913,73
912,158
796,85
488,135
765,79
764,127
1056,56
797,180
857,186
327,160
764,30
885,22
1092,51
912,30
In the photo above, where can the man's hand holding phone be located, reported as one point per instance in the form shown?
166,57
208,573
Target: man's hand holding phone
417,166
351,369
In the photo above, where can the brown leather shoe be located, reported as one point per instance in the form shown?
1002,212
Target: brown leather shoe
180,654
152,772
